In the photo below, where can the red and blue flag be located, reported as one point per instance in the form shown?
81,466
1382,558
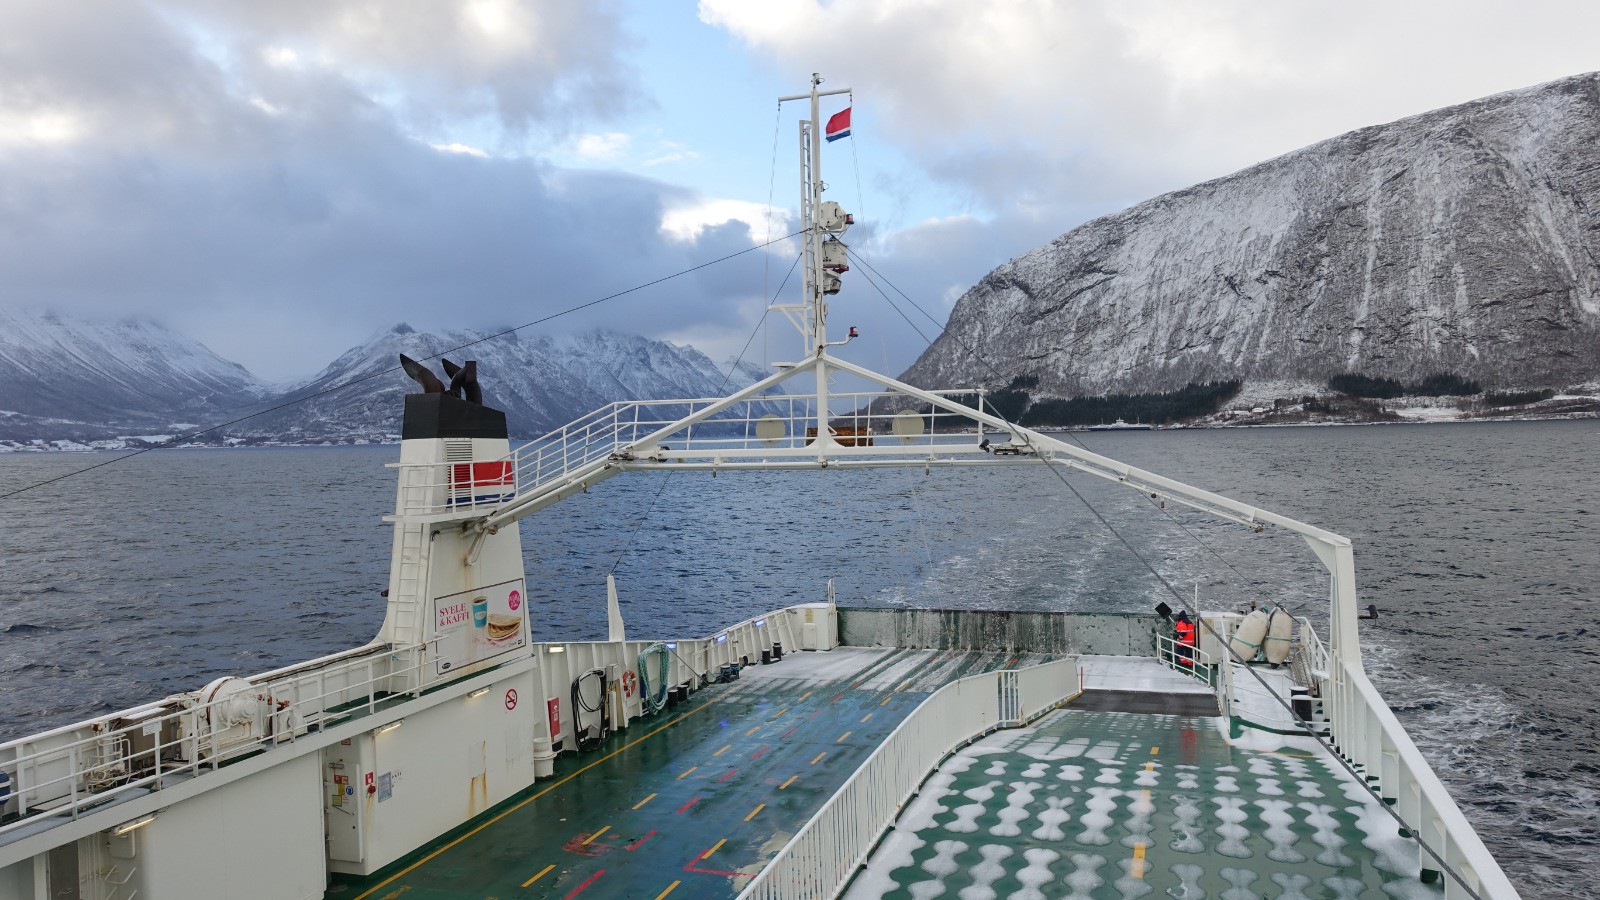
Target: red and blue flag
838,125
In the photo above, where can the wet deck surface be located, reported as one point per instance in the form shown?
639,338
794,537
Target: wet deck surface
1093,803
692,803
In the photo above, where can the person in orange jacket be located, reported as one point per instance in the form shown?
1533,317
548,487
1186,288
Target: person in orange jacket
1186,638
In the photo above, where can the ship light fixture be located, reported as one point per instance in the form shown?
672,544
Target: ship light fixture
390,727
672,645
478,693
127,828
560,648
761,623
722,638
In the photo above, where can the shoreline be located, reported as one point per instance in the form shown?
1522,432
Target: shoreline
138,445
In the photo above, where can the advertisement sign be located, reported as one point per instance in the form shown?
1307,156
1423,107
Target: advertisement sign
479,624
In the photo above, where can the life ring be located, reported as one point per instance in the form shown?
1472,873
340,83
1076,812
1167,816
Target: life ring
630,682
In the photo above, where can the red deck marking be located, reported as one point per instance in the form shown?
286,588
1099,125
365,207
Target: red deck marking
838,698
787,733
687,805
758,753
647,837
588,881
731,773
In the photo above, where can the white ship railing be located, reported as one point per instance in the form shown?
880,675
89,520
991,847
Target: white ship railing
823,855
1186,660
73,769
773,425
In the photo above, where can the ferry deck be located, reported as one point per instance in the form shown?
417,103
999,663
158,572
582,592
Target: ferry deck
1134,786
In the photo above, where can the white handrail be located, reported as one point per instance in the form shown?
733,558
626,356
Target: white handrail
825,852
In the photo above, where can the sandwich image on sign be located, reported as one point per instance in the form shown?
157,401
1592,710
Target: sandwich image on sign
503,627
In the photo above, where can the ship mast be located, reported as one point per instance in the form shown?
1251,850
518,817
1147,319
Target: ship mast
822,253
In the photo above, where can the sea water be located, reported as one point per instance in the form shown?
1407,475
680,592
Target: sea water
155,574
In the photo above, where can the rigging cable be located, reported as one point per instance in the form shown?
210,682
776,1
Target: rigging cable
386,371
994,371
1349,767
634,532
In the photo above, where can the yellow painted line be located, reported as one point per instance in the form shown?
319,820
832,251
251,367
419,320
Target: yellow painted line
789,782
842,737
1137,870
686,773
668,890
1274,753
641,803
803,697
886,700
780,713
723,750
714,848
866,717
603,829
1149,767
542,873
752,731
431,856
904,684
759,808
813,762
1155,751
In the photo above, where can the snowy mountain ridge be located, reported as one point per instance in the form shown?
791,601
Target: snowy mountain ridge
1459,241
73,381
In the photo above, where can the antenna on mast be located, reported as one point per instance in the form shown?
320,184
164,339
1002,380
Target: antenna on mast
823,255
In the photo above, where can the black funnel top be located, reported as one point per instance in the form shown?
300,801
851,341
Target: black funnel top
444,416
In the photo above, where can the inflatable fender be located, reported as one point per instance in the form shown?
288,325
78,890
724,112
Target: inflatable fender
1280,636
1247,639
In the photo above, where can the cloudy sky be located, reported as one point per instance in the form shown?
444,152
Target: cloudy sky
282,179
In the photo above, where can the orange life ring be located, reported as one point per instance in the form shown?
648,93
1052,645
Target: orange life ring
629,682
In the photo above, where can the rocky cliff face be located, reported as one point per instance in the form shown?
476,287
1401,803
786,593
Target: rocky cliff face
1463,241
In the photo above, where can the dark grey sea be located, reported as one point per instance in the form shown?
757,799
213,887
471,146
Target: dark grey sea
1477,543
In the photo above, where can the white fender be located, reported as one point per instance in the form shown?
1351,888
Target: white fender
1246,641
1280,636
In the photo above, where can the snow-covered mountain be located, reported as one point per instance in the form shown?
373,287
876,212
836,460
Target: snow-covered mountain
71,377
540,382
75,380
1463,241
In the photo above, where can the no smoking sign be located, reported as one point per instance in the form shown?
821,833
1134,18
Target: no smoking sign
511,699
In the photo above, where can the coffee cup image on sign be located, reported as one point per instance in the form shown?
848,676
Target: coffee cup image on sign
503,627
480,612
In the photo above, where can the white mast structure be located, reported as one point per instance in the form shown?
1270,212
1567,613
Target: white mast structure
823,255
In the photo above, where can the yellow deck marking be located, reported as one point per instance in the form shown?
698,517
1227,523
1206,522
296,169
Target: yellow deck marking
668,890
779,713
903,685
431,856
1137,869
789,782
643,802
542,873
686,772
714,848
1155,751
819,757
803,697
866,717
723,750
752,731
1149,767
759,808
393,894
842,737
886,700
603,829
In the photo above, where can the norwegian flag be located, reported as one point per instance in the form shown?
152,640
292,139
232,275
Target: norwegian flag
838,125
